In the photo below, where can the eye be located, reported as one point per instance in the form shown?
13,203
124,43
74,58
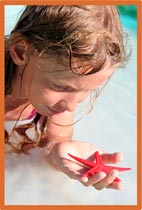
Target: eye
58,88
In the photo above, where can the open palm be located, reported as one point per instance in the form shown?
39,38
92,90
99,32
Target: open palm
63,162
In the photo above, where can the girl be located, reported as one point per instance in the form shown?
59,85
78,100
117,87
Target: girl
55,57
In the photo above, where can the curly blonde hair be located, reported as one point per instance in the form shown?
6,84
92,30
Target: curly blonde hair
90,34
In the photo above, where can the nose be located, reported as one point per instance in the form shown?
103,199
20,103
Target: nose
68,102
71,100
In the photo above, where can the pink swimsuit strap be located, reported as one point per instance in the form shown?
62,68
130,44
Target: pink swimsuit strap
32,114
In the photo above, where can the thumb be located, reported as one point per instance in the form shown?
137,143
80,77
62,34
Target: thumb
112,158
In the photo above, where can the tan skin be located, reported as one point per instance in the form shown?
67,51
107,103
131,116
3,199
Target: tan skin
57,95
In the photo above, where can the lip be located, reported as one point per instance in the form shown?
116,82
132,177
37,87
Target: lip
52,111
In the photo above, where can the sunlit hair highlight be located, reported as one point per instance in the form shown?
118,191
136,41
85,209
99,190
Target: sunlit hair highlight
83,37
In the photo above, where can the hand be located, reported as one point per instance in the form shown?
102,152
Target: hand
60,159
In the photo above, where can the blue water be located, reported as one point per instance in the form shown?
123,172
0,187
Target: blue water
129,22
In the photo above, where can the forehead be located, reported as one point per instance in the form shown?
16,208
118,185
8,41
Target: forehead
59,71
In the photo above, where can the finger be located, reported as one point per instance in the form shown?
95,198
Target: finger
92,180
107,180
116,186
112,158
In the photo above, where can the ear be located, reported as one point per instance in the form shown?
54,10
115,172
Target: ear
18,52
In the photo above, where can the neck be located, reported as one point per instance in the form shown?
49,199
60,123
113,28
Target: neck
17,85
14,108
17,102
12,103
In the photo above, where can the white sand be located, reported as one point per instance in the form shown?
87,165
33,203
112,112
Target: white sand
111,126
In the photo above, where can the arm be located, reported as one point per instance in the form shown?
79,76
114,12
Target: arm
61,145
59,133
61,161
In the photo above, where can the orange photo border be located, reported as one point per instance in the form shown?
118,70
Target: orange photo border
138,3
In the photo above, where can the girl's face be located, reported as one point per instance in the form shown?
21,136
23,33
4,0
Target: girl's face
52,89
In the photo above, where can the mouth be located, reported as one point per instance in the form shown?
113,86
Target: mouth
48,111
53,112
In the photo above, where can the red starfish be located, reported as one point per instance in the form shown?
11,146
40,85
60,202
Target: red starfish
98,166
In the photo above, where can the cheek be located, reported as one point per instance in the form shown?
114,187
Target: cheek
100,80
84,95
42,94
100,77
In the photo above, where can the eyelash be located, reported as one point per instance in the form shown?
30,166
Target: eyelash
57,88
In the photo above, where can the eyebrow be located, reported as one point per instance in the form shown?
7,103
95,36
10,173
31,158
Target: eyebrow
70,88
